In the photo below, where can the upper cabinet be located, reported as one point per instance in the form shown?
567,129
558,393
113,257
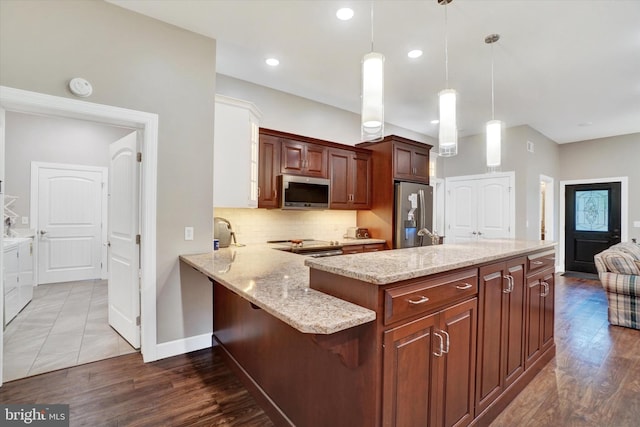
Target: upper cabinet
410,162
348,168
235,153
269,169
303,158
350,176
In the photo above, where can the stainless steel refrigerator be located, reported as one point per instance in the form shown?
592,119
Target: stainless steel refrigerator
413,211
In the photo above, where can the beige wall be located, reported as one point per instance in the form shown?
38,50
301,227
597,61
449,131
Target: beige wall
616,156
527,166
31,138
139,63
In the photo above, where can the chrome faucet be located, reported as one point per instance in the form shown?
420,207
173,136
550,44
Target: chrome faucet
435,239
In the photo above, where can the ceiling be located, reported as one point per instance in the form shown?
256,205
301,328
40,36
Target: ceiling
568,68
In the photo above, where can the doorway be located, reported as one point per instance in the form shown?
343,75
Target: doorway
12,99
547,208
592,222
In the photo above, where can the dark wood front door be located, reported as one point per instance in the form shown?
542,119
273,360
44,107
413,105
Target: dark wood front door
592,223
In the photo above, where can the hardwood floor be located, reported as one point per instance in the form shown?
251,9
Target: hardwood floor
593,381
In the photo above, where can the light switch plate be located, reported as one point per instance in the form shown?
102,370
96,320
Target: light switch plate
636,224
25,220
188,233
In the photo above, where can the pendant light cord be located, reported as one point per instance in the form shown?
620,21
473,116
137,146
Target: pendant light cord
492,87
446,46
371,25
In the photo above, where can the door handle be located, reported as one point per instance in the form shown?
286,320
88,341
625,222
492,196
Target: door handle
43,232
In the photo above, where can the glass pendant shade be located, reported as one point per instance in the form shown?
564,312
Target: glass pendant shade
494,140
448,135
373,97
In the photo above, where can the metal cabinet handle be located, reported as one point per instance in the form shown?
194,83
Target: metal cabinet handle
546,289
464,286
509,284
537,262
474,233
441,352
422,300
258,192
447,341
479,233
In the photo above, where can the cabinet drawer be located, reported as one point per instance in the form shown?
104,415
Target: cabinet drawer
541,261
352,249
425,295
374,247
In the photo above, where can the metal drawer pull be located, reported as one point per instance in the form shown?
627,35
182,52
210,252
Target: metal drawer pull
439,354
422,300
509,284
537,262
464,286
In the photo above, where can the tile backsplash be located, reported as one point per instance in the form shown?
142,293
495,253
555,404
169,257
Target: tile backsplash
260,225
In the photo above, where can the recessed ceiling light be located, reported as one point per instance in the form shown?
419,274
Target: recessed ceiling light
344,14
272,61
416,53
435,121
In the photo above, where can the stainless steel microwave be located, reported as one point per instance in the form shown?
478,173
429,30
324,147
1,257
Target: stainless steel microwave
304,192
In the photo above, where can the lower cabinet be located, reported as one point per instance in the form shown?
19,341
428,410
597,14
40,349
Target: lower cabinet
501,329
429,369
540,315
18,278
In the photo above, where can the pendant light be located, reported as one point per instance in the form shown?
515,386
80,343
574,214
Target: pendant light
494,127
448,134
372,93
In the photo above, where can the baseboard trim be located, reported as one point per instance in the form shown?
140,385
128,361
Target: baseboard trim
182,346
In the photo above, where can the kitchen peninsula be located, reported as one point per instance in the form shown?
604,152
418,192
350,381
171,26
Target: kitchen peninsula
437,335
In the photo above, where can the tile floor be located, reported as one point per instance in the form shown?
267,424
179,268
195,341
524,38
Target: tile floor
64,325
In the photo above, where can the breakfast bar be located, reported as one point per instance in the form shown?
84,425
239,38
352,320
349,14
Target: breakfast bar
435,335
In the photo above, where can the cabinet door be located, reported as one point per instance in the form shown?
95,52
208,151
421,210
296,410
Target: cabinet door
420,165
547,304
292,158
340,177
402,167
268,170
491,315
514,322
456,386
361,181
534,319
316,160
408,373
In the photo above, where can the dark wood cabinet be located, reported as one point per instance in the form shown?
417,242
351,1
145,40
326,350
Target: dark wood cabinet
268,171
429,369
350,176
411,163
540,314
303,158
501,329
358,249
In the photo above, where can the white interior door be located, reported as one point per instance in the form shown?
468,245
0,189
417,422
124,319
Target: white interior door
479,207
69,213
124,259
494,207
460,210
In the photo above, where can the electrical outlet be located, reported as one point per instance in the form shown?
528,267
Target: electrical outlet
188,233
25,220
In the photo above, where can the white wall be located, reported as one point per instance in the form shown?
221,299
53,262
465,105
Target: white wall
31,138
134,62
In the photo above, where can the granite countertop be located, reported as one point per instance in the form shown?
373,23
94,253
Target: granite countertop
381,268
278,282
